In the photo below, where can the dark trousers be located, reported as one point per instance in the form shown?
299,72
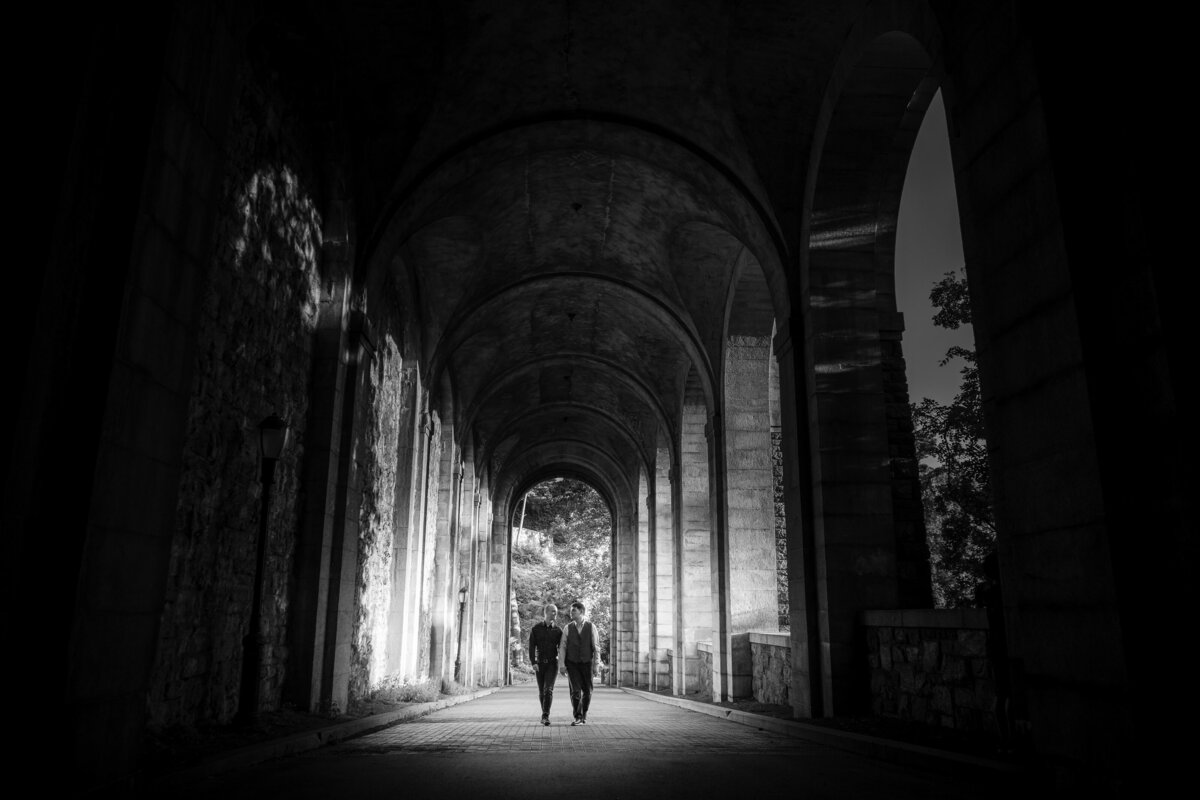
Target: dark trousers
579,677
546,673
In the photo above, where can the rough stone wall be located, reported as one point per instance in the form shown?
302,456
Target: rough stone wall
253,357
781,566
772,673
935,675
703,684
376,453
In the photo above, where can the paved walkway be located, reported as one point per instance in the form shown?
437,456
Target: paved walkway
631,747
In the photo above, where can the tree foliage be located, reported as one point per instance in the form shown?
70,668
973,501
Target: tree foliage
567,559
952,450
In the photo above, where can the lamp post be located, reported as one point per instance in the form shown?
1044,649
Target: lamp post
462,605
272,437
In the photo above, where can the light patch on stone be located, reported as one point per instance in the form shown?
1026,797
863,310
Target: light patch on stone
277,214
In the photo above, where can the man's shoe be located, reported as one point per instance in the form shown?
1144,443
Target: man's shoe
583,720
576,722
545,720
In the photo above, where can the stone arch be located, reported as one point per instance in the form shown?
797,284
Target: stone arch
582,461
644,306
598,419
532,366
863,458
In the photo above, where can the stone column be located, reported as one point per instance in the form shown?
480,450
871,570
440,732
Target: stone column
624,638
449,485
479,579
663,629
495,621
645,576
407,475
427,544
410,654
343,545
855,531
468,517
695,541
803,601
309,603
719,562
749,487
678,673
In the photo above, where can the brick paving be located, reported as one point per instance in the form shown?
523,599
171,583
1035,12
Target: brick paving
509,721
631,749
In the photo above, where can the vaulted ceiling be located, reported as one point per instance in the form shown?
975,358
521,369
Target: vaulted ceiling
569,192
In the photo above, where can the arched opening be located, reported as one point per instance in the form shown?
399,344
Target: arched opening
561,553
943,380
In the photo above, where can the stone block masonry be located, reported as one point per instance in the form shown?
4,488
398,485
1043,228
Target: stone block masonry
931,666
771,663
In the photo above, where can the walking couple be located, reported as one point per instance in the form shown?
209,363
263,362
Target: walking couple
576,650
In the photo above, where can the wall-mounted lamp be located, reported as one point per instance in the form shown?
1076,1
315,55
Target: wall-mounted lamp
462,605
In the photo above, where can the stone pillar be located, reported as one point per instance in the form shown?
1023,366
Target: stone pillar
411,654
427,544
309,602
407,475
778,494
645,577
719,562
343,543
449,485
479,583
749,487
624,638
663,628
678,673
495,621
855,531
468,517
695,541
803,602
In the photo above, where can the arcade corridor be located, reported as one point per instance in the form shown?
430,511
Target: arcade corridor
314,292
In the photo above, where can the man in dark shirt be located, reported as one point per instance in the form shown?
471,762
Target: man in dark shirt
581,661
544,642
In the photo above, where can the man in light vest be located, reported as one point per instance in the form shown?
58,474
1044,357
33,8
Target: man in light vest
580,661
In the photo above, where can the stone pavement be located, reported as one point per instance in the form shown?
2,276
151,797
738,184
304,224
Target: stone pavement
631,747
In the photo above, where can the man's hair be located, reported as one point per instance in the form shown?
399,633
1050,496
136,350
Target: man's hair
578,605
549,606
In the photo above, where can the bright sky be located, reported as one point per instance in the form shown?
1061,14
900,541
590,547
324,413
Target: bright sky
928,244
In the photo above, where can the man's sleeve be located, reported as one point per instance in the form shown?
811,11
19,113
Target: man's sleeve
532,654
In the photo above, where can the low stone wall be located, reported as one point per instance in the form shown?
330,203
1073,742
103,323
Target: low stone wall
931,666
705,662
771,662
